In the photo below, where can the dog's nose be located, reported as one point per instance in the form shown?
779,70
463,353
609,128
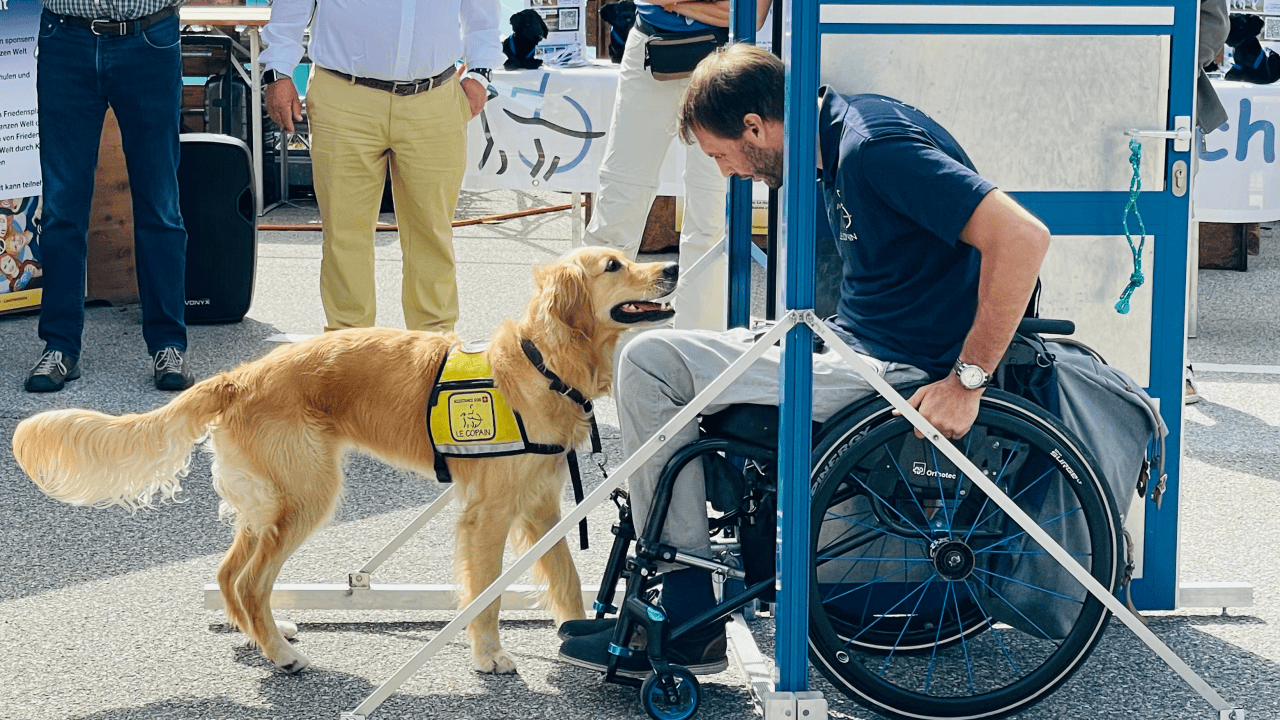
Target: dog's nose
671,271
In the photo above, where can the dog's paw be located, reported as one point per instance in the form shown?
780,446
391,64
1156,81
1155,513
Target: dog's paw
287,629
292,661
500,663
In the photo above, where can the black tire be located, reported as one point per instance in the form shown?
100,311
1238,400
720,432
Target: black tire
926,600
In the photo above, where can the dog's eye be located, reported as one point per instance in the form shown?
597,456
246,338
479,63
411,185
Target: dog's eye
612,266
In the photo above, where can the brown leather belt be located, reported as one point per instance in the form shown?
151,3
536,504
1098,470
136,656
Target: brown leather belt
102,26
412,87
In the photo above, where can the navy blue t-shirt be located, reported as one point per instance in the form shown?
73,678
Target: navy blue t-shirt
899,190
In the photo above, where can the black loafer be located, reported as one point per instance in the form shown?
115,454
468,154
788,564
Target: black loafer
703,653
171,369
52,372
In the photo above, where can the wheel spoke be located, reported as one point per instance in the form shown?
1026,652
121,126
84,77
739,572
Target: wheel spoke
923,591
942,494
889,505
1046,523
903,476
994,630
997,593
964,643
981,519
1016,581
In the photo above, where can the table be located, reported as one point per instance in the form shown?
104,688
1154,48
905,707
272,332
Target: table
1238,180
251,18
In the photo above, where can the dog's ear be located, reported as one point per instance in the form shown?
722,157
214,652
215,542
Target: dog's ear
519,20
543,24
563,300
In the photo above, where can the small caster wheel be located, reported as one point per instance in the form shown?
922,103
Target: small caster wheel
671,695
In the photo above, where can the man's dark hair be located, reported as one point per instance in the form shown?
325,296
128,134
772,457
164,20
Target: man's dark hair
729,84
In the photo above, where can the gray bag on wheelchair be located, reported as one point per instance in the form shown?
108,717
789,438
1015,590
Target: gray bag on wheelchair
1118,423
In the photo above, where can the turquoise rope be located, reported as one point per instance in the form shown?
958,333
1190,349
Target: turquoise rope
1135,187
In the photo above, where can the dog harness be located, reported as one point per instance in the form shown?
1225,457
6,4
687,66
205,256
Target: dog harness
467,416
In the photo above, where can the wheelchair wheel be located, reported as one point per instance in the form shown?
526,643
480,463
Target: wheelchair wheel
670,695
926,599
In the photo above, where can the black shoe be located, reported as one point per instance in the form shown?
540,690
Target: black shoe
171,370
579,628
52,372
703,653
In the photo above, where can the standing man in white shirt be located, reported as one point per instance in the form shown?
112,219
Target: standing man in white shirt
385,91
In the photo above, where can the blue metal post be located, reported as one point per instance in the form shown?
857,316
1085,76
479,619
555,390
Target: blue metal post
1159,584
800,53
742,27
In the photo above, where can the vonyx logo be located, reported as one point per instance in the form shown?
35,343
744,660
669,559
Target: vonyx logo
923,471
199,301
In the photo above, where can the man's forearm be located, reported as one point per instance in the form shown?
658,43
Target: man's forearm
1004,289
714,13
1013,246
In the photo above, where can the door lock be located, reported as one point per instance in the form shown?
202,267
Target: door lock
1179,178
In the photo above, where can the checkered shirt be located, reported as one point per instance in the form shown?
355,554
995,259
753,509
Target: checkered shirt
109,9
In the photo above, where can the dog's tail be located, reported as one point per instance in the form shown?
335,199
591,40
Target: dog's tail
84,457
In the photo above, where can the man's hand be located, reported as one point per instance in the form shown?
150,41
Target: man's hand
283,104
948,406
477,94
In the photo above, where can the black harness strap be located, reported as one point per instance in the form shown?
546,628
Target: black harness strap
597,450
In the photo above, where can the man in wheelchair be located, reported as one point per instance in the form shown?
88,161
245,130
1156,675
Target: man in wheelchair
939,266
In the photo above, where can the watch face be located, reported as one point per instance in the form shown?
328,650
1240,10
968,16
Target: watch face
971,376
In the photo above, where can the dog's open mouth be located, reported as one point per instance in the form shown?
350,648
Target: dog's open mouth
634,311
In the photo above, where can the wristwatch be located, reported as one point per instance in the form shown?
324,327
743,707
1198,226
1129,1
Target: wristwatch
971,377
270,76
481,75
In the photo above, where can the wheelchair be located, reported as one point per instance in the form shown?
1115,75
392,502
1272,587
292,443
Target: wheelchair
926,600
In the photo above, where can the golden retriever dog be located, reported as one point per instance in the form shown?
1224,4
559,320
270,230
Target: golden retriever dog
279,426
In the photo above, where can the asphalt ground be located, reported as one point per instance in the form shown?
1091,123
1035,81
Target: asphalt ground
102,616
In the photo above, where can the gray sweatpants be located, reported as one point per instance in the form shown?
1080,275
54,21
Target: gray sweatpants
661,371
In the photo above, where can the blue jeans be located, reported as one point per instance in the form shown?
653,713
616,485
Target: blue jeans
140,76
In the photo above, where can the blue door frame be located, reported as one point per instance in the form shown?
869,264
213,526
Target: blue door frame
1066,213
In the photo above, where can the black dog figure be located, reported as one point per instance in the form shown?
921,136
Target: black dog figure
528,29
1252,62
622,17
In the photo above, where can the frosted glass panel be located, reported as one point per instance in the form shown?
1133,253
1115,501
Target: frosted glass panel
1082,278
1034,112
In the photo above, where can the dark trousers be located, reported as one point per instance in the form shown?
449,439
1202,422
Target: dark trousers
140,77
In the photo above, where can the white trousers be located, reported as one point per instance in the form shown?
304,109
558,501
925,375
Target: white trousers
640,134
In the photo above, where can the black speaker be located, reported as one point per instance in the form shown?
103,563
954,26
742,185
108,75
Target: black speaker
215,185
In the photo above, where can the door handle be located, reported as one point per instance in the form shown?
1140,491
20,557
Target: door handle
1181,134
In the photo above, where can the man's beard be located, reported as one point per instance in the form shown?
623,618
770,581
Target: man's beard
766,164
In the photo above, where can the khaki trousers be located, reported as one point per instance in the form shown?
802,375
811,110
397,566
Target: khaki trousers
356,133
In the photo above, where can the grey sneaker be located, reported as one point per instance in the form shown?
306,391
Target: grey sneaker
52,372
171,370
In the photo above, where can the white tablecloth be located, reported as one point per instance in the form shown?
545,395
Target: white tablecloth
547,130
1239,177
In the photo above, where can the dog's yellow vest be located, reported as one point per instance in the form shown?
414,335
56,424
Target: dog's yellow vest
467,415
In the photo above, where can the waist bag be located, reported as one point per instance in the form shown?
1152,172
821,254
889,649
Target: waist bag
672,55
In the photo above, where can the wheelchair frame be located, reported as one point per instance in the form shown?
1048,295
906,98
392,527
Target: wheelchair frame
784,703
